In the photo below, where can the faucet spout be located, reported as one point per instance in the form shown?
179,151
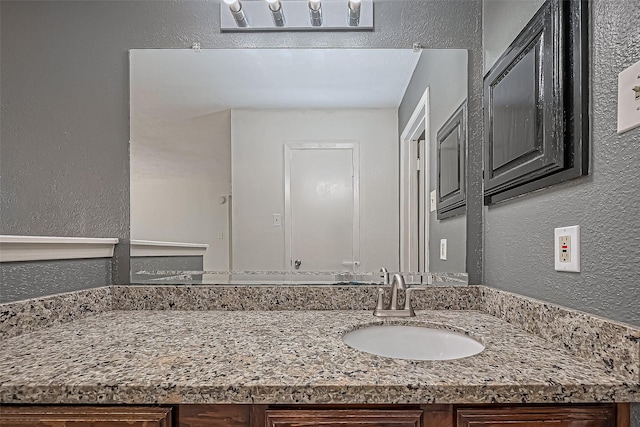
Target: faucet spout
396,283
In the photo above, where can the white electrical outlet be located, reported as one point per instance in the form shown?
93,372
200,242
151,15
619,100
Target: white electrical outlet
567,248
443,249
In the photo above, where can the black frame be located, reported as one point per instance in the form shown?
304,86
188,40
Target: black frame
453,201
556,39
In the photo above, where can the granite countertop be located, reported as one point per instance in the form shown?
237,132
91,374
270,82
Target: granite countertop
211,356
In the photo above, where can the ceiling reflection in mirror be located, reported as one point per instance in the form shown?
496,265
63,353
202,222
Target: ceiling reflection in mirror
289,165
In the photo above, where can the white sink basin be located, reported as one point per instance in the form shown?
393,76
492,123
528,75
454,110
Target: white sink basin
412,342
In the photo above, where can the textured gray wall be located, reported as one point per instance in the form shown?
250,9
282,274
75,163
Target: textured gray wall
519,233
64,79
442,71
22,280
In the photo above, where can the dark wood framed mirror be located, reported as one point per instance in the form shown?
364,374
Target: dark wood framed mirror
536,105
452,149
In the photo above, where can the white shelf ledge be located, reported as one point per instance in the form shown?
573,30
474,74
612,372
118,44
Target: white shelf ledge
140,248
41,248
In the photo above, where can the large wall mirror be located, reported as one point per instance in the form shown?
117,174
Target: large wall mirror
305,165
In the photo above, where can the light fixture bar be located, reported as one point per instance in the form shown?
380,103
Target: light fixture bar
301,15
235,8
315,13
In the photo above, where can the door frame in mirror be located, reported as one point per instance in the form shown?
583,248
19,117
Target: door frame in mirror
417,124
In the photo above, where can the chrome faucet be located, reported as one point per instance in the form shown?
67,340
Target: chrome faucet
392,310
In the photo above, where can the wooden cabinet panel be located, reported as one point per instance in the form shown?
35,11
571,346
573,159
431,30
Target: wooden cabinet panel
346,417
84,416
214,415
548,416
438,415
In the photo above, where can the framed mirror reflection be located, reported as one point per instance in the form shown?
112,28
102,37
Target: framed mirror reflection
287,165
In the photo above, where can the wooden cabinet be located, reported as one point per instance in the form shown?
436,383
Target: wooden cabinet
432,415
231,415
84,416
551,416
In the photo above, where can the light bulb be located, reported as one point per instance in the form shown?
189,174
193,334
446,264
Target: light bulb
315,13
274,5
354,5
234,5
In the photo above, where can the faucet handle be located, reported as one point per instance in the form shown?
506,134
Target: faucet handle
407,300
380,303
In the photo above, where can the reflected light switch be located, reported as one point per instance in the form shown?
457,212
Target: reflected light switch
629,98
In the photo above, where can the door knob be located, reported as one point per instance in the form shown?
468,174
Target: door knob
297,263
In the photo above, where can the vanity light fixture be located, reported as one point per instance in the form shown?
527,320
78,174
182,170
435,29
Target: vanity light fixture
354,12
238,14
275,6
315,12
301,15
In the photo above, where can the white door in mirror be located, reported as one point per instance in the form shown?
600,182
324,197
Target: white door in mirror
322,200
567,248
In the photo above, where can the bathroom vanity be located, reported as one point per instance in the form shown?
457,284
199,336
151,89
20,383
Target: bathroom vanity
255,356
601,415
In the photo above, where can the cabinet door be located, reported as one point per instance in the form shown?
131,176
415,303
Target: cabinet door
549,416
333,418
84,416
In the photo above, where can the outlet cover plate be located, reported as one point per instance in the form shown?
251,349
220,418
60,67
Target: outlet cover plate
432,201
443,249
573,265
629,98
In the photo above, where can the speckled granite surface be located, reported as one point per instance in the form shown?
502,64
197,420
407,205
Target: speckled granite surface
279,344
613,346
37,313
285,357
